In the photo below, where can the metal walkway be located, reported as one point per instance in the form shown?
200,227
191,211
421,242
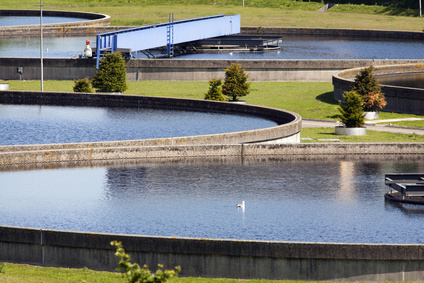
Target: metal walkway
167,34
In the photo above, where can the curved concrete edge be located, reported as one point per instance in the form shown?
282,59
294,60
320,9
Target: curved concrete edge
399,99
27,155
287,130
223,258
93,19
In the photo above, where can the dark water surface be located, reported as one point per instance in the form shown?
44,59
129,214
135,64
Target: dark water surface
34,124
415,80
6,21
286,200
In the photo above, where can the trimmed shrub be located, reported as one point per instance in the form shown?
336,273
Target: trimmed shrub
351,112
215,92
235,84
112,74
83,85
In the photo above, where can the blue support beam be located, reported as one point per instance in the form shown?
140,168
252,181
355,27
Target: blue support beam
154,36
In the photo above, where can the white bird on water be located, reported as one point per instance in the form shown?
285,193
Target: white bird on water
241,205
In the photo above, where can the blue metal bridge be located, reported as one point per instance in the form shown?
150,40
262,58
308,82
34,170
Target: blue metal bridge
167,34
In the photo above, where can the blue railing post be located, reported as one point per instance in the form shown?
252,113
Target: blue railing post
114,46
98,44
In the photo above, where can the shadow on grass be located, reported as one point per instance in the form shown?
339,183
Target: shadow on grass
327,97
399,11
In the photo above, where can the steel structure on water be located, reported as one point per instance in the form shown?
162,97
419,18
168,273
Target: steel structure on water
167,34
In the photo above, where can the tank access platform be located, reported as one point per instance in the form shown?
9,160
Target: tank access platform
239,43
405,187
166,34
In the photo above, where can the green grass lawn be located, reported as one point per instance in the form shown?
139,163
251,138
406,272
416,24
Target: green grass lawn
371,136
29,273
412,124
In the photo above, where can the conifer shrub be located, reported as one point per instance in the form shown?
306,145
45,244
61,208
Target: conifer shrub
351,112
83,85
365,82
368,87
235,84
215,92
112,74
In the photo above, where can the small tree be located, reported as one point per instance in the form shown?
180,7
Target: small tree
111,75
215,92
367,86
351,112
82,85
235,84
365,82
134,273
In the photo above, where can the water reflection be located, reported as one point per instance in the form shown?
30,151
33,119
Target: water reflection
54,47
289,199
347,185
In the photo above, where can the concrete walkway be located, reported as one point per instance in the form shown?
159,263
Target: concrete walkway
370,125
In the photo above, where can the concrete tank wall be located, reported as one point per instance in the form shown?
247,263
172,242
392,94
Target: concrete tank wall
187,70
32,154
399,99
217,257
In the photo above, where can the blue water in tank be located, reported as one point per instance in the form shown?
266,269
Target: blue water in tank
334,200
292,47
36,124
6,21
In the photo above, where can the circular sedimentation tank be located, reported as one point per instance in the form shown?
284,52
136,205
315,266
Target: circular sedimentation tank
209,257
23,19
